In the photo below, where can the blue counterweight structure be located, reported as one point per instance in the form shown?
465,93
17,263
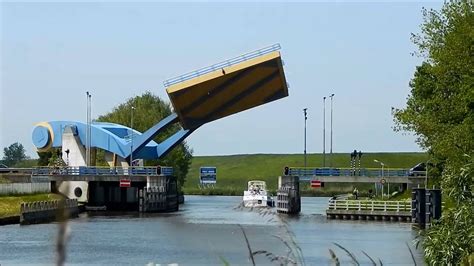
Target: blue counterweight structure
111,137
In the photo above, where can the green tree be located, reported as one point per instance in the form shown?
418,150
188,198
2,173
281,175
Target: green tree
149,110
44,157
440,110
14,154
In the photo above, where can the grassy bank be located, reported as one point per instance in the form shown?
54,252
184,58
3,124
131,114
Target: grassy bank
10,205
234,171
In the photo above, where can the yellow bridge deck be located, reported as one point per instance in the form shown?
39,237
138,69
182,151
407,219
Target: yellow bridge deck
229,90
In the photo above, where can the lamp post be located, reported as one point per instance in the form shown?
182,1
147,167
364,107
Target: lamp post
383,165
330,152
324,131
88,129
305,118
131,137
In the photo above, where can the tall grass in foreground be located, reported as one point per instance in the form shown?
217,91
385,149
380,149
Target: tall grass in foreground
294,255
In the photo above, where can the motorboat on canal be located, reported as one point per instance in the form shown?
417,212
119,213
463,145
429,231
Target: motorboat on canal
256,195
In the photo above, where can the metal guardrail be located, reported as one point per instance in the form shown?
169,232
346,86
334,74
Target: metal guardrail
370,205
226,63
83,170
15,170
368,172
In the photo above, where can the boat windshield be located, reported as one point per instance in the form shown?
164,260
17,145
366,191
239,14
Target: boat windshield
257,185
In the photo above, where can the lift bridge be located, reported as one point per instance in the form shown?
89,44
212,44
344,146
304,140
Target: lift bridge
198,97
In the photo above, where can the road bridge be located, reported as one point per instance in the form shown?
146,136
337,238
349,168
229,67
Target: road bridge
362,175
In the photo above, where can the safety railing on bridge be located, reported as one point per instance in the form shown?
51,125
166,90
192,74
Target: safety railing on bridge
15,170
369,172
221,65
83,170
370,205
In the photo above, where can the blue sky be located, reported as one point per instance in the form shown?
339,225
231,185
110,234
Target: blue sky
52,53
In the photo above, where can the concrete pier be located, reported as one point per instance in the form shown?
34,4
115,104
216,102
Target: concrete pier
288,195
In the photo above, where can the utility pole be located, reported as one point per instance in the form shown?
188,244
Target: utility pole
90,129
324,131
330,162
88,132
305,118
131,136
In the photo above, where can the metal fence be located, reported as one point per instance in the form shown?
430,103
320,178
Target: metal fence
83,170
370,172
370,205
24,188
221,65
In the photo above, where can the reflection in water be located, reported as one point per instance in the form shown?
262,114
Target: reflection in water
205,231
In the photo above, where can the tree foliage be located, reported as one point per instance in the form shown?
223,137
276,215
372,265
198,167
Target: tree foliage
149,110
14,154
43,157
451,240
440,110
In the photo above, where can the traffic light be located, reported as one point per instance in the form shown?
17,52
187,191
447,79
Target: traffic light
158,170
287,170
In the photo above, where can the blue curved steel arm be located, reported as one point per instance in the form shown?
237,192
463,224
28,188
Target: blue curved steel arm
167,145
140,141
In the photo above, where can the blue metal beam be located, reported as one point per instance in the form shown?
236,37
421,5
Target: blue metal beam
141,140
167,145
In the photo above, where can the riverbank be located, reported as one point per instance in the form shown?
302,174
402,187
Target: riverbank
10,205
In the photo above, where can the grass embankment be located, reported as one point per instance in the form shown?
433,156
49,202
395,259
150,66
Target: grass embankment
234,171
10,205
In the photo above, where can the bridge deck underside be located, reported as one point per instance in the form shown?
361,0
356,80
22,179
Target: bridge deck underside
229,90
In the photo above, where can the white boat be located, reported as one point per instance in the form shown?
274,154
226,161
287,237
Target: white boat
256,195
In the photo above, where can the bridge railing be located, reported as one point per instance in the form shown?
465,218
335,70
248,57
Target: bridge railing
221,65
15,170
369,172
370,205
83,170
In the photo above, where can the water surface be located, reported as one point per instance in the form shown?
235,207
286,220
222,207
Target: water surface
206,232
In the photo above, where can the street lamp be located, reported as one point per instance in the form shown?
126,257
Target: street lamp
383,165
88,129
131,137
330,162
324,131
305,118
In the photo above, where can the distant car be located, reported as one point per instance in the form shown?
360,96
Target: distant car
418,170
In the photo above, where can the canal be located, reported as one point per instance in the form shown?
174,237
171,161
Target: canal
209,230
